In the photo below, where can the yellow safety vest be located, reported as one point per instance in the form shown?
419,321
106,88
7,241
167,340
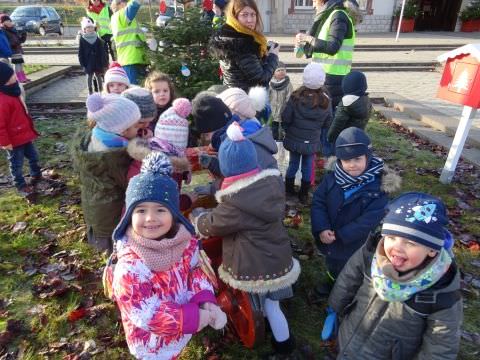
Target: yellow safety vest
103,20
130,40
341,62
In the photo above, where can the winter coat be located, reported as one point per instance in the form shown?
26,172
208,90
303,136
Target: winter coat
15,40
159,308
240,60
340,29
303,125
278,94
257,256
16,126
92,57
351,111
5,49
103,182
372,328
351,219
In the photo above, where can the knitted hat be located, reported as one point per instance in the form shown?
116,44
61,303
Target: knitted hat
281,66
246,106
313,76
86,22
217,88
6,73
112,112
172,126
237,154
209,112
354,83
418,217
220,3
352,142
144,100
116,73
152,184
4,17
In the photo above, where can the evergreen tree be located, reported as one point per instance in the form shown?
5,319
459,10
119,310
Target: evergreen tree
182,53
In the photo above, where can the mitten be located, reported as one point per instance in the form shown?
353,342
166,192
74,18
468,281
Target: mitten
330,326
218,319
203,319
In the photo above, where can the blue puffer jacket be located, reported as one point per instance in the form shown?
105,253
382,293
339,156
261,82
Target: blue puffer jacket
351,219
5,50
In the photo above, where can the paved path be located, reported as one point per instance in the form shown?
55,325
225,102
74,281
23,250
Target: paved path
69,89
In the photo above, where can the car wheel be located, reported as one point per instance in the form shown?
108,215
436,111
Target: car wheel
61,30
41,31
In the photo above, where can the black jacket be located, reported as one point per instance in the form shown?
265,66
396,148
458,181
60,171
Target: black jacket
92,57
240,60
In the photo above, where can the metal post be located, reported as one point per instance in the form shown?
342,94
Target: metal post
400,20
461,135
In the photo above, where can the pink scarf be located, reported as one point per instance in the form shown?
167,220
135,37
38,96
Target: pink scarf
230,180
159,255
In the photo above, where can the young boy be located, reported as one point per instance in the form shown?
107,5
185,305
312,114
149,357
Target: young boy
279,92
17,131
350,202
355,107
399,297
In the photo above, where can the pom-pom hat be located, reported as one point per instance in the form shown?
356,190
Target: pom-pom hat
172,126
86,22
153,184
243,104
116,73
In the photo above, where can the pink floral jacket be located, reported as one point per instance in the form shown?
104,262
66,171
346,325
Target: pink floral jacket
160,309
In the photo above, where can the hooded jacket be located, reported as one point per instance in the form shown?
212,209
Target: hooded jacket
266,147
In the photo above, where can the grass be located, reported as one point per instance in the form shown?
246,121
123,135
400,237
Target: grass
55,224
31,68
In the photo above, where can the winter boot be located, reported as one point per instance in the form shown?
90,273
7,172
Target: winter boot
303,193
290,186
284,350
25,77
22,77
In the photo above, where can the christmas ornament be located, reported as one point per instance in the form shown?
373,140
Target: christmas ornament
185,70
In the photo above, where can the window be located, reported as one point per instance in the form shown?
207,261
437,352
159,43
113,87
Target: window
52,13
44,13
303,4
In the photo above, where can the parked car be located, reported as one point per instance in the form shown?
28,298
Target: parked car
37,19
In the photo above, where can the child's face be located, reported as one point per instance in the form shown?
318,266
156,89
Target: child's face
8,24
144,122
161,93
279,74
131,132
89,29
355,166
405,254
151,220
116,87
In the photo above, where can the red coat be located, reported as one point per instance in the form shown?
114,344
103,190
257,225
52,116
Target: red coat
16,126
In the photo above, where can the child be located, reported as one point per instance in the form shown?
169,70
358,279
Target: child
159,285
116,79
92,55
350,202
355,107
148,109
17,131
163,92
307,112
5,49
257,257
101,159
400,298
15,40
279,92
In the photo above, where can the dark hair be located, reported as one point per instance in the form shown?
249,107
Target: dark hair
317,97
156,76
235,6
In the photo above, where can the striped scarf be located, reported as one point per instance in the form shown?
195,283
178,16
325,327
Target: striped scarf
348,182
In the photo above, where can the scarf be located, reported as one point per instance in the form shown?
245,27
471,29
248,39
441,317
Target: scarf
391,286
348,182
159,255
96,9
11,90
164,146
109,139
260,39
90,37
231,179
279,85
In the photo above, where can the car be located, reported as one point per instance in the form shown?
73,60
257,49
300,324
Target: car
37,19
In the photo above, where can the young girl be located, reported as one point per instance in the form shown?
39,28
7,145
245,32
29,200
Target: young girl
399,297
92,55
159,285
307,112
116,79
163,92
15,40
101,159
257,257
279,92
350,202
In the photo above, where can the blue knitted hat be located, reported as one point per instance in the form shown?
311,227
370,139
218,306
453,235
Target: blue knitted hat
354,83
352,142
418,217
237,154
152,184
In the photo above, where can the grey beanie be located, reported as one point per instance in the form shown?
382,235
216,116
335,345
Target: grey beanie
144,100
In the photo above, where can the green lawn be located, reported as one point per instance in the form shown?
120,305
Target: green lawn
41,317
33,68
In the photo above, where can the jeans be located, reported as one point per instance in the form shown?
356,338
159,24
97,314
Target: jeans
307,163
134,72
15,158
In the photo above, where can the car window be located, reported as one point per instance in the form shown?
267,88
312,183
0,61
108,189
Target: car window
44,13
26,11
52,13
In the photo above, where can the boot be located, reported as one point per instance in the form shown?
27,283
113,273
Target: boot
284,350
290,186
22,77
25,77
303,193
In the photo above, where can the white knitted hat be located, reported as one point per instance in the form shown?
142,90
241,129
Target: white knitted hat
86,22
243,104
313,76
112,112
116,73
172,126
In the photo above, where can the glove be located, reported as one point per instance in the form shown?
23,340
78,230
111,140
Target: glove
330,326
203,319
218,319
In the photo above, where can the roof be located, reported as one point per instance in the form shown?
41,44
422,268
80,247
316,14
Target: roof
471,49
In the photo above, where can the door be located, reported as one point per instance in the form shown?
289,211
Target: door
45,20
264,7
438,15
54,19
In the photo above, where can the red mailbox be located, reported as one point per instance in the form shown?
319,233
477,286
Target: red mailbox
461,76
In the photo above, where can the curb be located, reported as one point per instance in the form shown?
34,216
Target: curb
44,77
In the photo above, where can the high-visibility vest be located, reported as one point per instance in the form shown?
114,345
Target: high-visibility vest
130,40
103,20
341,62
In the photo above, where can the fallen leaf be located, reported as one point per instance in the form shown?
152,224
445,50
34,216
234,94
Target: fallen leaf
19,226
78,314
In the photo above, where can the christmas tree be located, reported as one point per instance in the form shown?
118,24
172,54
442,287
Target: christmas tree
182,53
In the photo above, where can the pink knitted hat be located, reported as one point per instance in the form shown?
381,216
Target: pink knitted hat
172,126
116,73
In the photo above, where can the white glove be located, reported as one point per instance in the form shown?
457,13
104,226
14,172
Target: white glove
218,319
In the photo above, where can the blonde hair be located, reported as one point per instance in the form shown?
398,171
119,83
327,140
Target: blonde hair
235,6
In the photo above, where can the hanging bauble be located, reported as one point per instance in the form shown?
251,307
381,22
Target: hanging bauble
185,70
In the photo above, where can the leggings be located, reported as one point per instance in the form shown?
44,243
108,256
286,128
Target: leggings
98,78
18,67
277,320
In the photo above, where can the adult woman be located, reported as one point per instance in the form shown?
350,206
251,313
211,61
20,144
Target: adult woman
245,59
330,41
101,15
